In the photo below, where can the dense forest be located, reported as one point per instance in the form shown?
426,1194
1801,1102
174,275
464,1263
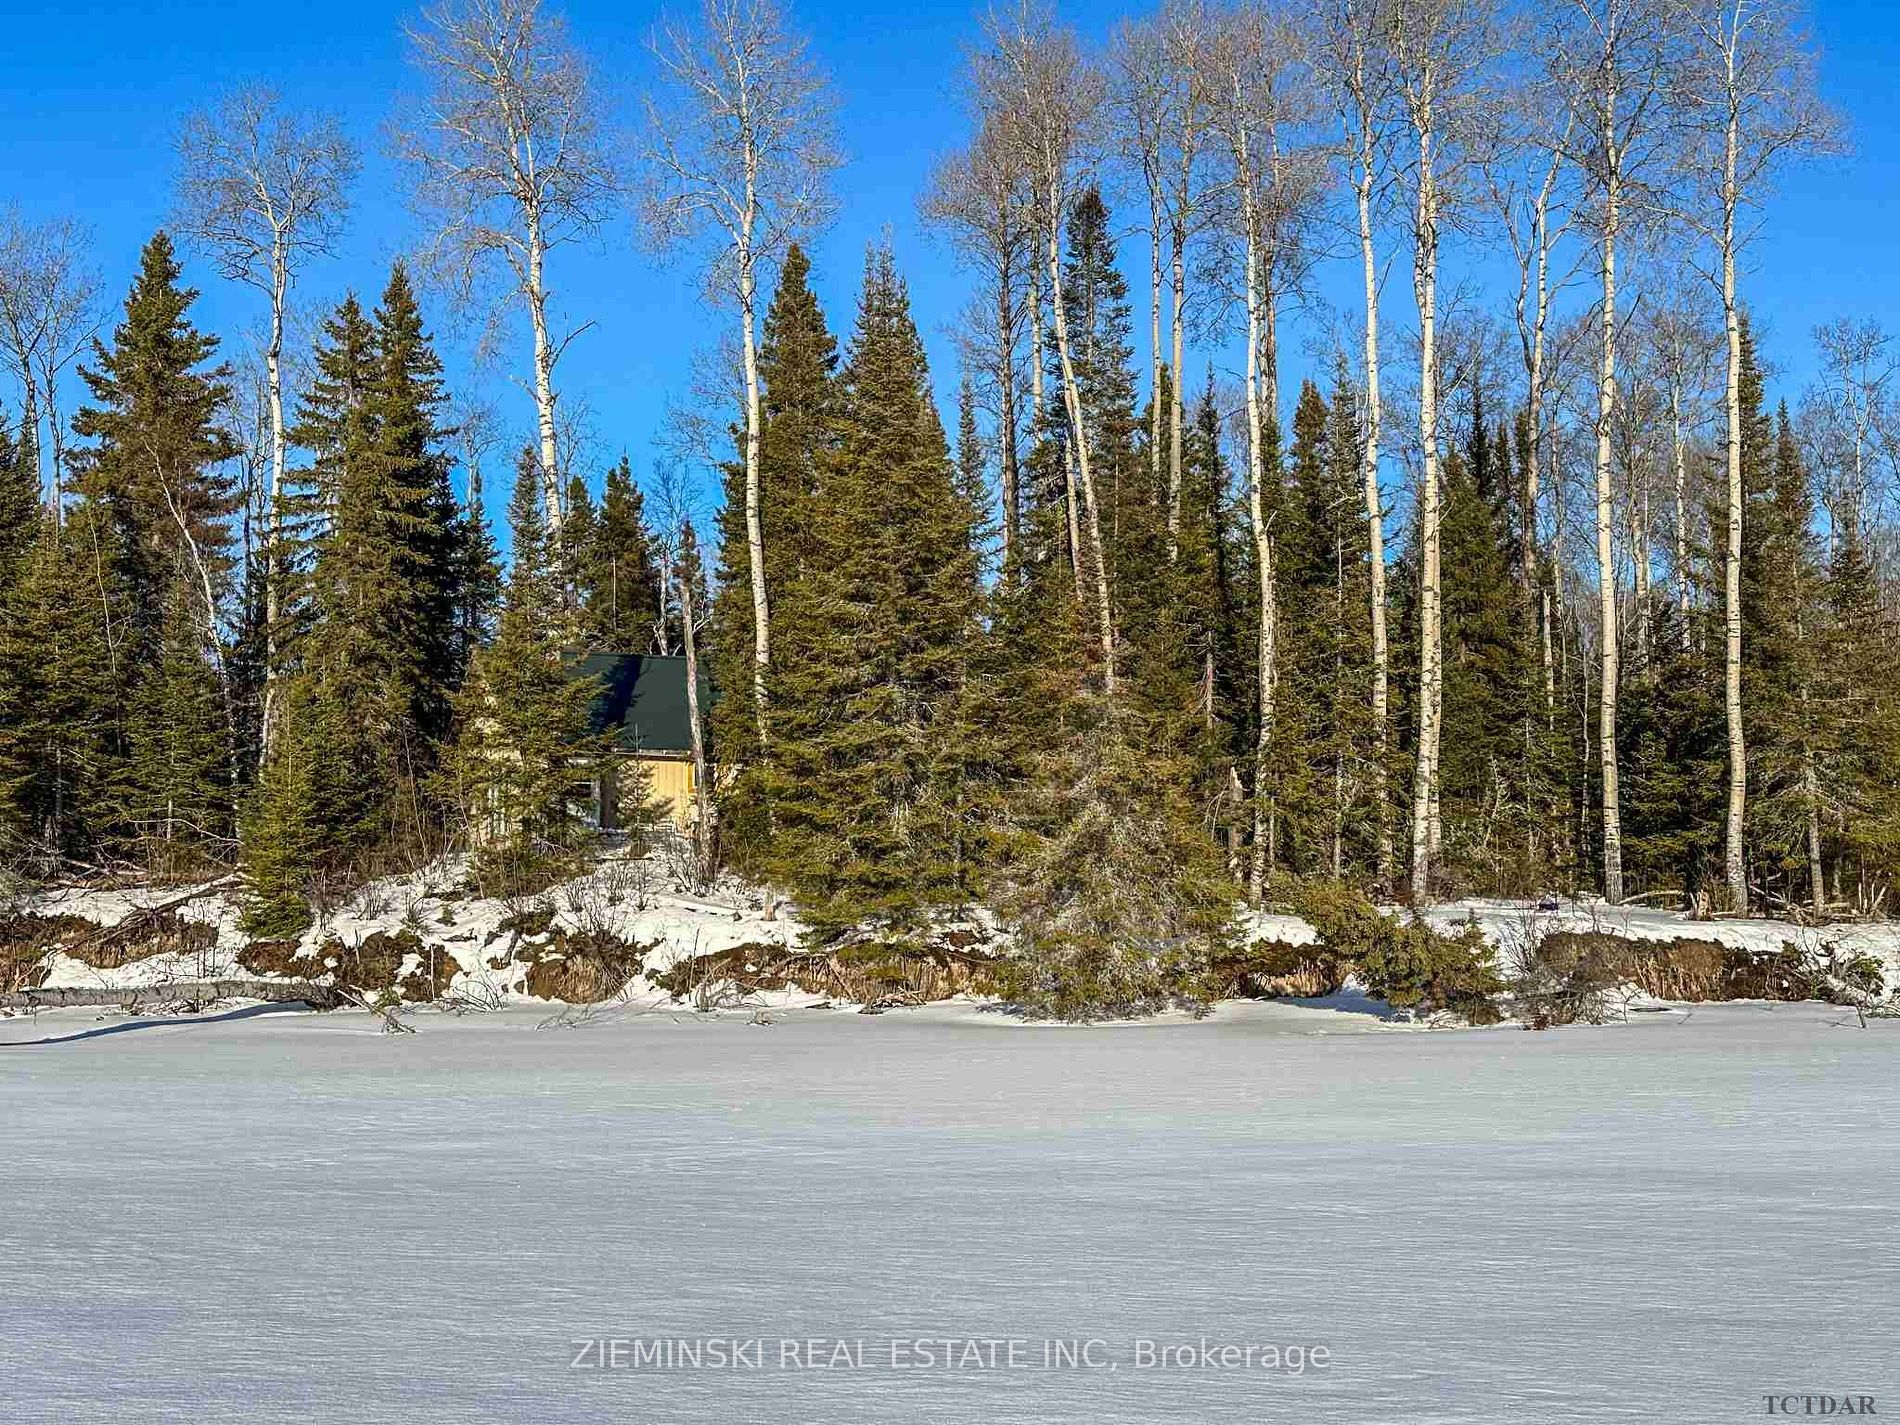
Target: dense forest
1104,627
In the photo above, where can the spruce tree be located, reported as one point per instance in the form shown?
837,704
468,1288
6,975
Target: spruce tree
1324,762
1857,724
385,641
798,361
176,790
1486,677
874,634
61,715
156,505
19,503
1782,580
525,746
620,578
155,468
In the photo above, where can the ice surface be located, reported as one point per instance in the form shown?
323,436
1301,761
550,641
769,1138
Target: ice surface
290,1217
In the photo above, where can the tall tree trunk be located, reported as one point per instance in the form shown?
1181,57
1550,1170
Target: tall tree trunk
56,441
1606,557
754,515
1258,361
1177,402
1733,865
1640,525
1535,363
1006,417
1680,454
1039,334
1154,346
1425,289
1072,512
1364,176
273,515
1078,435
30,425
702,790
544,356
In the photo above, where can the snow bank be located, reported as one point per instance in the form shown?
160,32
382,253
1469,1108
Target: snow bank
631,900
622,897
1514,925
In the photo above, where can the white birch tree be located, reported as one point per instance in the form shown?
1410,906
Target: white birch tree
1442,52
1751,82
511,162
1264,107
1035,74
739,151
49,311
1359,74
1616,60
261,190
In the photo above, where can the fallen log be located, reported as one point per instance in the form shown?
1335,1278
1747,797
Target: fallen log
199,991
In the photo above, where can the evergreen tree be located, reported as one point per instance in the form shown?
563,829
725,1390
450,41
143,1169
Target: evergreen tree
384,570
386,577
1486,676
176,790
874,634
1674,752
19,503
155,468
798,361
1857,724
60,711
1782,573
336,424
156,506
1324,762
619,578
1210,569
525,745
578,548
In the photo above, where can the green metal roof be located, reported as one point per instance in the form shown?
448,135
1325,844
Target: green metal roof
644,697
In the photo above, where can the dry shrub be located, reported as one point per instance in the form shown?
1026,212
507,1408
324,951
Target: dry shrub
140,936
1684,968
279,957
1268,969
1565,980
582,968
26,940
529,920
868,973
375,964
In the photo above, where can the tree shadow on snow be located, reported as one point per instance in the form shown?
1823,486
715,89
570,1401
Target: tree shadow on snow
1351,1000
129,1026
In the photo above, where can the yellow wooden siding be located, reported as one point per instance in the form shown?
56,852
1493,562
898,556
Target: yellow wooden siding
672,787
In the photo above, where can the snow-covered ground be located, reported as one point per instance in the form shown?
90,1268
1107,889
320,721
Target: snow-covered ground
632,899
291,1217
635,901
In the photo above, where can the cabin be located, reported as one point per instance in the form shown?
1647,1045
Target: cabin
643,704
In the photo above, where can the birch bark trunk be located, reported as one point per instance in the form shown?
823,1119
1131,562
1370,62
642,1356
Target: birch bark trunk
1364,176
1734,867
1078,433
543,377
1425,289
273,573
1606,559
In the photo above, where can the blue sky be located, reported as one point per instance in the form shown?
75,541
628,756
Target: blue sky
97,88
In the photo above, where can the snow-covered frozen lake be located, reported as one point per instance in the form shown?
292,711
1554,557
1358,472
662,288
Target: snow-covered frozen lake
289,1217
